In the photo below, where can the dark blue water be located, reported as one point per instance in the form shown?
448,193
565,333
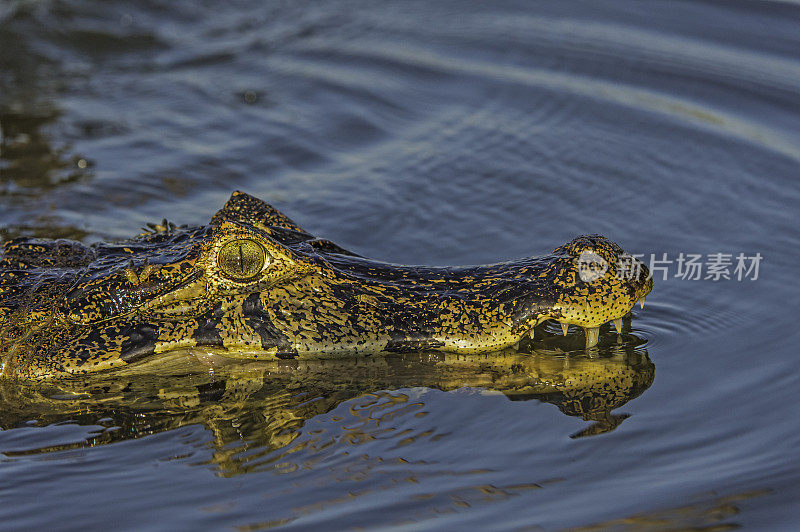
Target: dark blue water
438,133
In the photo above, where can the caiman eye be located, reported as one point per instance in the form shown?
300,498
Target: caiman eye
241,259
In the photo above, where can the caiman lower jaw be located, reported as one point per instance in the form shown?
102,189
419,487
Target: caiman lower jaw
501,339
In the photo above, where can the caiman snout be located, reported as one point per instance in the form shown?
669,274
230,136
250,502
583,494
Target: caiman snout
602,284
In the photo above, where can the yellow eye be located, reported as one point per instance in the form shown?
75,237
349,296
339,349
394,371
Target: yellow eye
241,259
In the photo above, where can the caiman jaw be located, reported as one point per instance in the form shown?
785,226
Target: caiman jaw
592,314
589,314
608,285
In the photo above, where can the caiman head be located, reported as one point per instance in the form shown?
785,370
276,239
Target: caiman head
254,284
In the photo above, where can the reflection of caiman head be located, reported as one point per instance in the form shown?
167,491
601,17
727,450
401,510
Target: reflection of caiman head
266,403
253,284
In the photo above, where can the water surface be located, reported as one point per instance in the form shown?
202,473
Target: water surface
436,133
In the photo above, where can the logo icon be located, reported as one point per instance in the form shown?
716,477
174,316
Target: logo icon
591,266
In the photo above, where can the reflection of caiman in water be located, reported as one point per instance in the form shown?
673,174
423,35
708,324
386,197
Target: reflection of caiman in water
263,405
254,285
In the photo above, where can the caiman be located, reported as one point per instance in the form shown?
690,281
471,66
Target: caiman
253,284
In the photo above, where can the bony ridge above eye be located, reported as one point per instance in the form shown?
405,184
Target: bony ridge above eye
241,259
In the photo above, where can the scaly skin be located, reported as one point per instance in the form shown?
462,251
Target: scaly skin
254,284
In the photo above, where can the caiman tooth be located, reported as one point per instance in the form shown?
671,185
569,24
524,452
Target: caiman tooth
592,334
564,328
618,324
641,302
131,276
146,271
